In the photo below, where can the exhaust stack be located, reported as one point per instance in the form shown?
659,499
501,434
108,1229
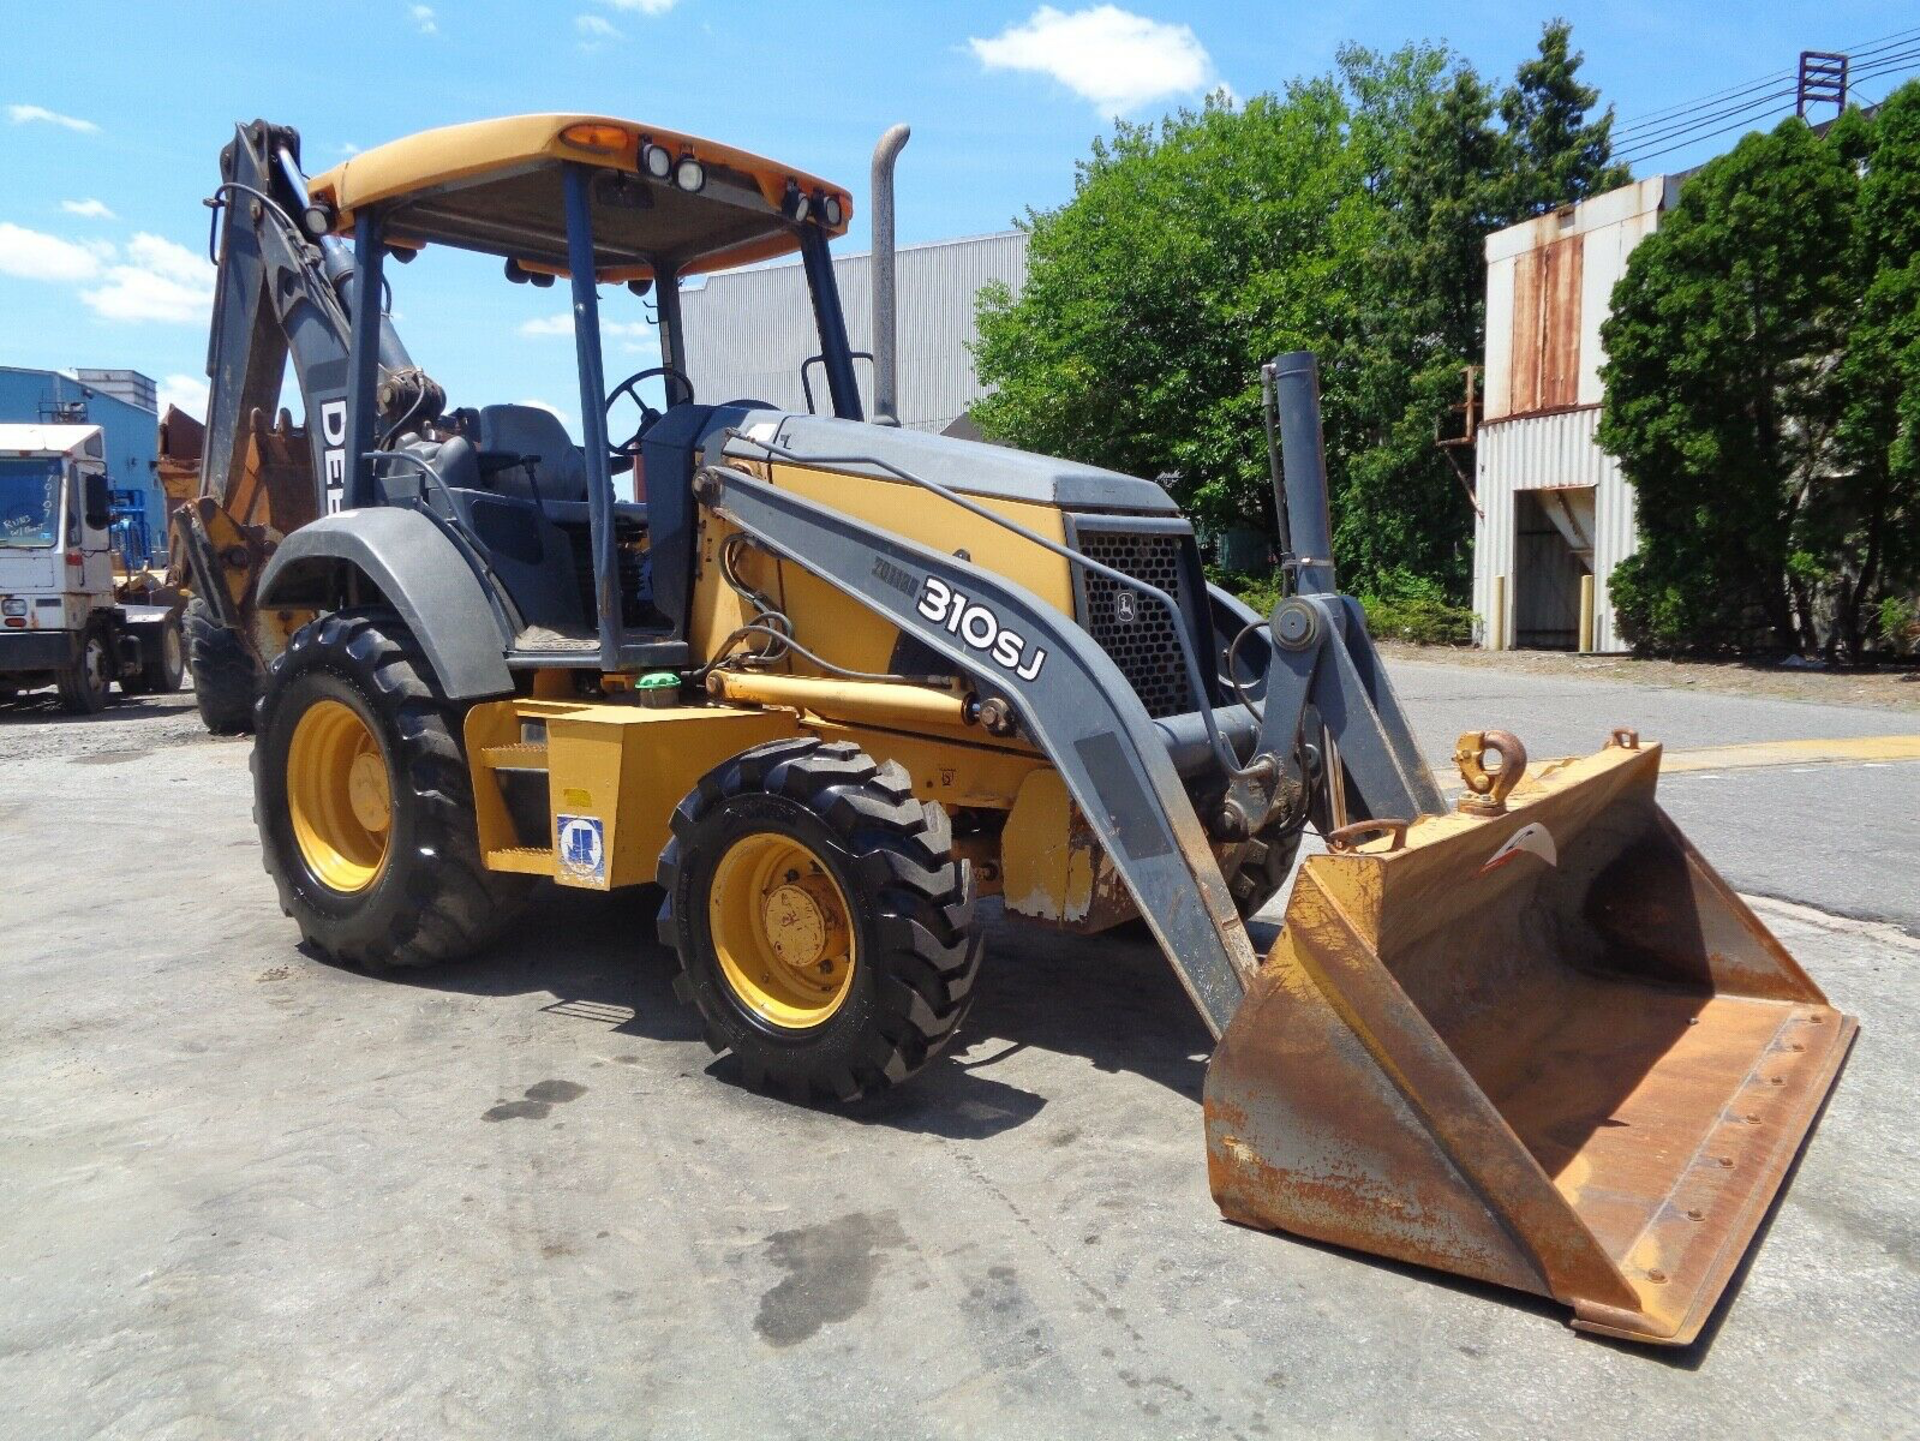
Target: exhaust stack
886,403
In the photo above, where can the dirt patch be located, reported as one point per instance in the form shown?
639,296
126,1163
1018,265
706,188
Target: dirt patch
34,727
1897,689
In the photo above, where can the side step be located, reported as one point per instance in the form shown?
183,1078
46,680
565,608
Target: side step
511,801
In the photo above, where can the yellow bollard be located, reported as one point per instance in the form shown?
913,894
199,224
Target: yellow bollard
1586,614
1497,615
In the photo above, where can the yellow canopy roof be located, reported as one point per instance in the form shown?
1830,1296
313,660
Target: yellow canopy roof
494,186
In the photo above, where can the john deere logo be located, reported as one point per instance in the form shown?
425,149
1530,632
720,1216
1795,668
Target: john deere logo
1125,607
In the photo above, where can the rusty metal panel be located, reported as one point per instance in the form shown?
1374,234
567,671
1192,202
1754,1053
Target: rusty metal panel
1547,1048
1523,386
1546,328
1560,324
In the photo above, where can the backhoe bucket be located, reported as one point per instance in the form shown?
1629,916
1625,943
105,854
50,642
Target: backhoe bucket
1549,1049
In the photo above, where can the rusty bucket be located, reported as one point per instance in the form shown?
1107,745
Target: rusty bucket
1538,1043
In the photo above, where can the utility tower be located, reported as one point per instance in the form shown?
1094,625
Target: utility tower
1823,80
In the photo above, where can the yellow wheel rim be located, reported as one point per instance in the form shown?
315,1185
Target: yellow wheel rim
782,931
339,797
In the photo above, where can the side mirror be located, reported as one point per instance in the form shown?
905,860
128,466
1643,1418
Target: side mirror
99,508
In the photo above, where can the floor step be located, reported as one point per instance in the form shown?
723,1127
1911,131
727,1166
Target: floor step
522,860
517,756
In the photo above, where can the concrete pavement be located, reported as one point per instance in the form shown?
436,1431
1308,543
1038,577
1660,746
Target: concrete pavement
247,1193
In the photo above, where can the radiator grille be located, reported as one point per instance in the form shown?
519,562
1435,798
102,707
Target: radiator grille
1137,631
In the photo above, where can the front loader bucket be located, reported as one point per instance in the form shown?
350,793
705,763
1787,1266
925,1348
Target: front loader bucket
1549,1049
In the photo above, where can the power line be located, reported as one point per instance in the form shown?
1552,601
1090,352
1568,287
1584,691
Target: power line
1693,122
1640,122
1891,63
1682,141
1688,106
1688,129
1636,129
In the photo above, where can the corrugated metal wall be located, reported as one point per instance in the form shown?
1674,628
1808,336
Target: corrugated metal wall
749,330
1541,453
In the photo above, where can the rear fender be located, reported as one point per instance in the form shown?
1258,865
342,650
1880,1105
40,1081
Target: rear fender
418,571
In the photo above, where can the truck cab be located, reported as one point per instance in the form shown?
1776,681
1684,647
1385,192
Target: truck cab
61,622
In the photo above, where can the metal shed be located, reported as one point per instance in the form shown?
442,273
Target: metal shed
749,331
1555,511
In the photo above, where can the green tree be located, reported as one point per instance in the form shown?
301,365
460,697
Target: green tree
1190,252
1721,397
1872,521
1346,216
1555,155
1422,122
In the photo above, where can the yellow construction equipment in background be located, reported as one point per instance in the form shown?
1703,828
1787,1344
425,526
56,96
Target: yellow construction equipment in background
828,683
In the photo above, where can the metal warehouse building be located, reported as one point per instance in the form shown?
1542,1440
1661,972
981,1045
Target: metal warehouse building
1555,512
750,331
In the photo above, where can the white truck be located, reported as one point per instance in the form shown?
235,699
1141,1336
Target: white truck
62,621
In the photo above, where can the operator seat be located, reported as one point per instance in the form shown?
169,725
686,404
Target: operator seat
526,430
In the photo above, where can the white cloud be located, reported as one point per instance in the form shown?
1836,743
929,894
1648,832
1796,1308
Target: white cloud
594,27
550,409
1117,60
641,7
155,280
88,209
347,147
189,392
32,255
562,324
28,114
422,18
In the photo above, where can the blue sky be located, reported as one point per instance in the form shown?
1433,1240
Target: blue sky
106,154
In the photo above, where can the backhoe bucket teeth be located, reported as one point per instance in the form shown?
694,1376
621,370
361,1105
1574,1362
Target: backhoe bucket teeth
1549,1049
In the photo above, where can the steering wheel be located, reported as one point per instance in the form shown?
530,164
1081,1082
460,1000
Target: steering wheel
648,415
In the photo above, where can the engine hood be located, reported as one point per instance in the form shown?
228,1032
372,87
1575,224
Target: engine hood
967,466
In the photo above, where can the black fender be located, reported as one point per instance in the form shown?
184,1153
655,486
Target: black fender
418,571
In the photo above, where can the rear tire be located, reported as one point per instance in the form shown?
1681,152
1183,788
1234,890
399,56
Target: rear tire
162,671
364,802
87,686
226,678
905,923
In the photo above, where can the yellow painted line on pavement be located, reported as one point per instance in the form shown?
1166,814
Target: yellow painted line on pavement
1847,750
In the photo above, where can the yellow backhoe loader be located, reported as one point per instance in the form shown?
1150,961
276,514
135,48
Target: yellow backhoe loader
827,682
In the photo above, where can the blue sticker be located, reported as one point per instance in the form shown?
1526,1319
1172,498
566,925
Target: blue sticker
583,848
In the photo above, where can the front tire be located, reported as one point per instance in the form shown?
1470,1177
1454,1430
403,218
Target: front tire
226,678
364,802
87,685
824,929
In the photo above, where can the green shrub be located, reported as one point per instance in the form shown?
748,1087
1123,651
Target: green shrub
1416,609
1900,624
1404,607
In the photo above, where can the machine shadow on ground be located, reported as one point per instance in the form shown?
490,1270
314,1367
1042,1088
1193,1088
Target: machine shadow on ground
1111,1000
44,705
